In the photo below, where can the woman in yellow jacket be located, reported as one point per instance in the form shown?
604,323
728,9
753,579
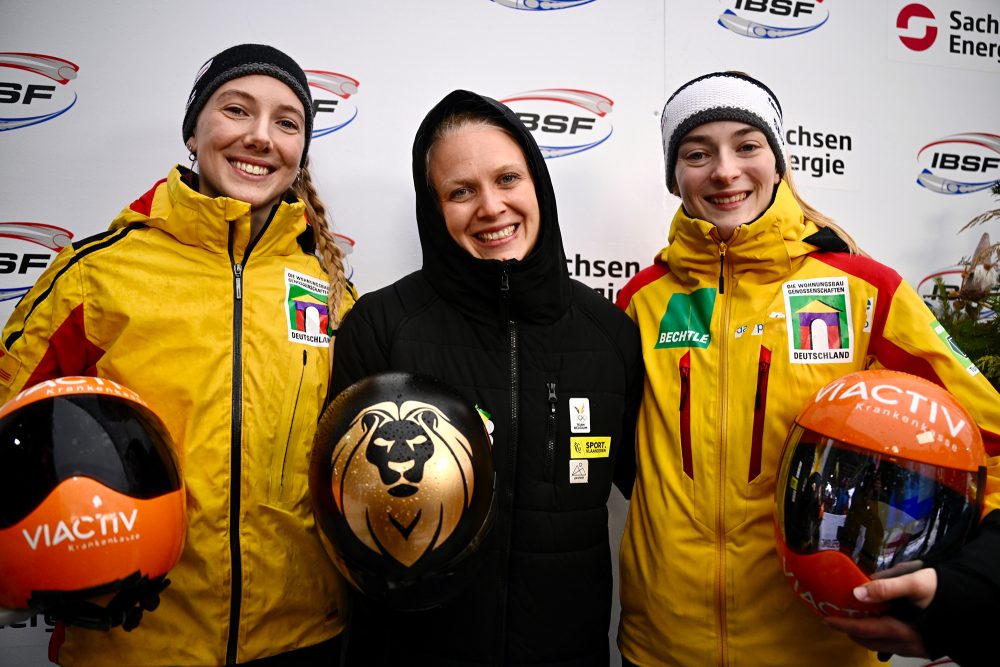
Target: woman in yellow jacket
727,372
214,296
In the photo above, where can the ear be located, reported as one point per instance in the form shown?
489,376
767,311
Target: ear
777,177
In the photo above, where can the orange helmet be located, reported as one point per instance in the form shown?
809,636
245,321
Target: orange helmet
402,485
882,473
91,502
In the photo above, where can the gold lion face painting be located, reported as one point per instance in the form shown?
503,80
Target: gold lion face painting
415,473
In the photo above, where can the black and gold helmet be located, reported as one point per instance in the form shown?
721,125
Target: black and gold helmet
402,484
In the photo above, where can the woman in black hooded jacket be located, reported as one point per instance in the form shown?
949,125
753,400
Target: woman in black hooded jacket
494,313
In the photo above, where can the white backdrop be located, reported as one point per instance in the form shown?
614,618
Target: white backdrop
874,93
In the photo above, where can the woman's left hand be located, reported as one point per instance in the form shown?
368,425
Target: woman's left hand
887,634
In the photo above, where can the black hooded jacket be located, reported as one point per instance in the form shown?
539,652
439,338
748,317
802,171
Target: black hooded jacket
521,340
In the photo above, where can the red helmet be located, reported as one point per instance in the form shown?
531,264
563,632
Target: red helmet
91,502
882,473
402,484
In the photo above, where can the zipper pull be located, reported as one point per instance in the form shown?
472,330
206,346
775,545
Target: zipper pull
504,284
722,268
238,278
552,397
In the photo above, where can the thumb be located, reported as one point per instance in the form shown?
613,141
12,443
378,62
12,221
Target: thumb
918,587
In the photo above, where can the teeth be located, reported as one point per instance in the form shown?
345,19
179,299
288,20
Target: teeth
728,200
496,236
253,169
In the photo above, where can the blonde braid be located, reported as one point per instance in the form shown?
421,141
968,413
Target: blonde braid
330,255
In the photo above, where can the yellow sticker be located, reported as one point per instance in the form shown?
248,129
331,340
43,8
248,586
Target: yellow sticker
589,447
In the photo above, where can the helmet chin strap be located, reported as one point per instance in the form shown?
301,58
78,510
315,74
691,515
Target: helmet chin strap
135,594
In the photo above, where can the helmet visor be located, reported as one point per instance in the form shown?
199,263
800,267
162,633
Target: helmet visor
880,511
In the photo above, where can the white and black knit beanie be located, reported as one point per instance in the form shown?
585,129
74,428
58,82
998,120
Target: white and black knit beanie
244,60
721,96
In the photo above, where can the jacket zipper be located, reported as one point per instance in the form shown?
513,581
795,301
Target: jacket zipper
722,267
291,426
236,445
720,517
684,369
550,433
507,506
759,409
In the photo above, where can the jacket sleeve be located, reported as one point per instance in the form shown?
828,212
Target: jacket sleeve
359,350
625,465
46,335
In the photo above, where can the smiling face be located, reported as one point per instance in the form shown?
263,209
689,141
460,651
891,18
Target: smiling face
249,139
726,173
485,192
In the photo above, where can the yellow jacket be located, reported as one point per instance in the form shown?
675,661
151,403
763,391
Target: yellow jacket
701,582
153,305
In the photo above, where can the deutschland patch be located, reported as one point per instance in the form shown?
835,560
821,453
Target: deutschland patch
306,309
820,329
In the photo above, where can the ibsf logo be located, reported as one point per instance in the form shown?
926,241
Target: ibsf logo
923,16
961,163
33,89
563,121
772,19
541,5
24,260
332,103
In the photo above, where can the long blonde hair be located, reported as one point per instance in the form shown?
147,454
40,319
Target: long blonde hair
330,255
822,220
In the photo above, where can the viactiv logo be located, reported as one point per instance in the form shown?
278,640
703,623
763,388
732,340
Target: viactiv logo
21,257
564,121
541,5
917,11
687,322
27,94
332,100
961,163
772,19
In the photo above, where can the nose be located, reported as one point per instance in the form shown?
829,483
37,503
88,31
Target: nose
726,168
491,203
258,135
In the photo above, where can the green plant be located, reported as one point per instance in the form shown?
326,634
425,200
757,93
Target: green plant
969,314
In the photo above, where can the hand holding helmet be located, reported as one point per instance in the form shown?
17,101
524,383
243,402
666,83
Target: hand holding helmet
882,474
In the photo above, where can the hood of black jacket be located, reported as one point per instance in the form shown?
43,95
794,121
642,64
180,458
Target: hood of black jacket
538,285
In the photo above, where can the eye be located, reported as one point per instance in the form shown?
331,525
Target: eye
509,179
459,194
749,147
695,155
288,125
234,110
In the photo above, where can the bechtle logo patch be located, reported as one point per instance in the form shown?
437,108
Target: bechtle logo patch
34,88
564,121
772,19
960,163
333,100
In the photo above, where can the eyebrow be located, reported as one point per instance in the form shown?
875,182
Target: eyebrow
502,169
703,138
233,92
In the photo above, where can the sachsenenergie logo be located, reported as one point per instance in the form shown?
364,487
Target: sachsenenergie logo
961,163
564,121
903,22
27,94
772,19
332,103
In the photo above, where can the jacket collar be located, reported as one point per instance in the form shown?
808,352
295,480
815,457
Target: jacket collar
175,207
761,251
